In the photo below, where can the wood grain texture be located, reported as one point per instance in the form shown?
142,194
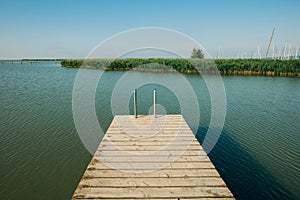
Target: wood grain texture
150,158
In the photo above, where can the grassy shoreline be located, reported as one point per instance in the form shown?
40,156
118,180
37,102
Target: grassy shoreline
247,67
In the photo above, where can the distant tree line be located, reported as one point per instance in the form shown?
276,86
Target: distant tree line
197,53
191,65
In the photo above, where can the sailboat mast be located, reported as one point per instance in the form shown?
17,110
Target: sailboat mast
270,42
273,54
284,52
219,50
289,54
258,52
279,53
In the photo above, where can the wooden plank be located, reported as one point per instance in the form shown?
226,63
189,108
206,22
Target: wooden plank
150,148
147,143
130,123
144,118
166,173
194,198
166,127
149,130
152,182
146,131
137,192
149,153
141,136
148,165
150,139
152,159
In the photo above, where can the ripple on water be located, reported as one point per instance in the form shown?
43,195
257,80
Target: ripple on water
258,150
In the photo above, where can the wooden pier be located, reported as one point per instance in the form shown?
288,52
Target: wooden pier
150,158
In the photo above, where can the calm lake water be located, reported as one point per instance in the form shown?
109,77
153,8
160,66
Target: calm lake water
42,157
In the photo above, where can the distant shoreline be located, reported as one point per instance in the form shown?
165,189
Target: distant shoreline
32,59
42,59
246,67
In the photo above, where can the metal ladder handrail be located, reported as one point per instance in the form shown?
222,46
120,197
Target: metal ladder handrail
135,103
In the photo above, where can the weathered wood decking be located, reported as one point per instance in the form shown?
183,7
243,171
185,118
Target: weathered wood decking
151,158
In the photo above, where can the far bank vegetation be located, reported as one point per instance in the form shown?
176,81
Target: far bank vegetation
268,67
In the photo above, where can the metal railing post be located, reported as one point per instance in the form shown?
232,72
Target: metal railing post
154,103
134,103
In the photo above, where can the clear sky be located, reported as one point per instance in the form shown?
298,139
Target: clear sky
70,29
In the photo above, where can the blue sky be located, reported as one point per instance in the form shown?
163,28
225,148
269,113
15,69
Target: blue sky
71,29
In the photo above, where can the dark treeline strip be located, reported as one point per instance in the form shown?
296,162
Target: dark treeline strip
224,66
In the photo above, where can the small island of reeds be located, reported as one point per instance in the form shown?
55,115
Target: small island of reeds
267,67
